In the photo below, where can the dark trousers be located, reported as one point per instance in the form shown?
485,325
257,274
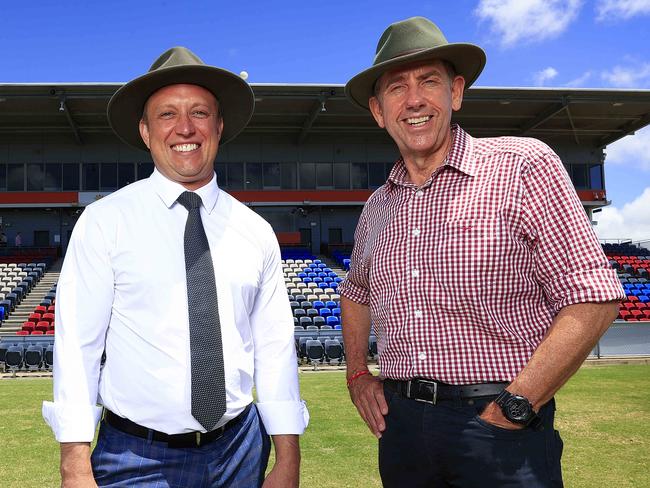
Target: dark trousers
448,445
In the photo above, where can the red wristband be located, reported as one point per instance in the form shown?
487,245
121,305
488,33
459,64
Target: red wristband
356,375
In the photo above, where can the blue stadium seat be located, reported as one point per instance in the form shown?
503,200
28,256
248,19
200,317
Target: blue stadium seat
332,320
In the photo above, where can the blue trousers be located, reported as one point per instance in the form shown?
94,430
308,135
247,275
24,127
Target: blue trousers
238,459
448,445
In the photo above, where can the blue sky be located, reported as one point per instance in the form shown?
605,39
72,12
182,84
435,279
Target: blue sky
556,43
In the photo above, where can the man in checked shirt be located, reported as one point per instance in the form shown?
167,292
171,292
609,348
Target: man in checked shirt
480,274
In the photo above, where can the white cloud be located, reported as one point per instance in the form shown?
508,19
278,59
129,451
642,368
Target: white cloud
579,81
541,77
628,76
632,151
621,9
630,222
517,21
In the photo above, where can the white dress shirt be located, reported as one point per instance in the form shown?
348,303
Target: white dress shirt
122,289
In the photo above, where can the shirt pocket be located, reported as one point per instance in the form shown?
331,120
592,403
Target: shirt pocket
468,255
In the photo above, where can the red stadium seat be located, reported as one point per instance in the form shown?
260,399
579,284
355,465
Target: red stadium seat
629,305
51,309
38,332
50,332
43,326
633,298
34,317
28,326
635,313
49,317
22,332
40,309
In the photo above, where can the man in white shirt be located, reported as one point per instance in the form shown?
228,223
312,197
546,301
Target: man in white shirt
123,294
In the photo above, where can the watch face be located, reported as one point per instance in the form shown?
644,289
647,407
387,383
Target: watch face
517,409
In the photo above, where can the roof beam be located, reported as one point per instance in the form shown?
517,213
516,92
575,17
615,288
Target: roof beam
547,114
573,127
73,125
627,129
316,109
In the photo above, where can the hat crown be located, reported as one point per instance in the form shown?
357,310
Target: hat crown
176,56
408,36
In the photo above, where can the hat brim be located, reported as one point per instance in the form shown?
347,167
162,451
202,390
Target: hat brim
467,59
236,99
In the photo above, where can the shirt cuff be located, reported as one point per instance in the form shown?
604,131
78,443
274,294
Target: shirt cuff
284,417
353,292
594,286
72,422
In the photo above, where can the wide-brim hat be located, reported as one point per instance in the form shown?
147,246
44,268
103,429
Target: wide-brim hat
179,65
409,41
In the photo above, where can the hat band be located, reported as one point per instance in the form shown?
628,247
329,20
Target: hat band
406,53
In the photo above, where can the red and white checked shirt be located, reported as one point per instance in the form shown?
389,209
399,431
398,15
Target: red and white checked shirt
465,274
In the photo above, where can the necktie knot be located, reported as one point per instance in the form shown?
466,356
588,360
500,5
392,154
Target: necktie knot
189,200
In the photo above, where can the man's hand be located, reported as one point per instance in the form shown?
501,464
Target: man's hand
367,394
286,471
493,415
76,471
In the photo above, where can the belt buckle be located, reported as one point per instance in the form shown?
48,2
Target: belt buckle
422,400
198,438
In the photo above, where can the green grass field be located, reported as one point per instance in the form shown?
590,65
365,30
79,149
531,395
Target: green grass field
603,416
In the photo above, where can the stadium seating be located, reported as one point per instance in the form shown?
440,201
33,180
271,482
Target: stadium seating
631,264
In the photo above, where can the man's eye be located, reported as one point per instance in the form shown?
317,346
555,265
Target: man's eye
167,115
200,114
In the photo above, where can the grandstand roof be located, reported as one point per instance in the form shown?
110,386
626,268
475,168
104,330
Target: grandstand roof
587,117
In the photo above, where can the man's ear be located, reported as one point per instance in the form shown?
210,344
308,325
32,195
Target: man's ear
144,132
376,111
457,90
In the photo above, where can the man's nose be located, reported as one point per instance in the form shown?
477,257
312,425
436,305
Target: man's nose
414,98
185,125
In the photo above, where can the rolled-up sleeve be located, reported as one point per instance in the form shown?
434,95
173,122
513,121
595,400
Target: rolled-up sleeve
276,368
570,264
356,285
83,308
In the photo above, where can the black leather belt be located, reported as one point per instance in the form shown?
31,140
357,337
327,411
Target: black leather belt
432,392
189,439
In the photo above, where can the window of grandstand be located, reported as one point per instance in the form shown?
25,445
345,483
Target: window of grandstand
90,176
341,176
359,176
272,175
52,180
125,174
596,177
70,177
16,177
108,176
324,178
35,177
253,176
144,170
307,176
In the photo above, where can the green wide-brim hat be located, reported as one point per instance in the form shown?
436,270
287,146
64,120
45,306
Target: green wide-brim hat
409,41
176,66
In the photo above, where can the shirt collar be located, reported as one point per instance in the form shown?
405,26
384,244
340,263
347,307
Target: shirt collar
459,157
169,190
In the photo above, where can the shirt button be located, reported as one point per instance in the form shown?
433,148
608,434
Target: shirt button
418,314
415,273
422,356
416,232
419,193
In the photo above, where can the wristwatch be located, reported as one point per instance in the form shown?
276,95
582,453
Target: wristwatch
517,409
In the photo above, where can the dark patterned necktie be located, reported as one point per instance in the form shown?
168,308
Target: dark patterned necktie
208,381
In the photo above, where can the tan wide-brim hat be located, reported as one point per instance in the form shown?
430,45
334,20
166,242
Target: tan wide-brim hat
176,66
409,41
